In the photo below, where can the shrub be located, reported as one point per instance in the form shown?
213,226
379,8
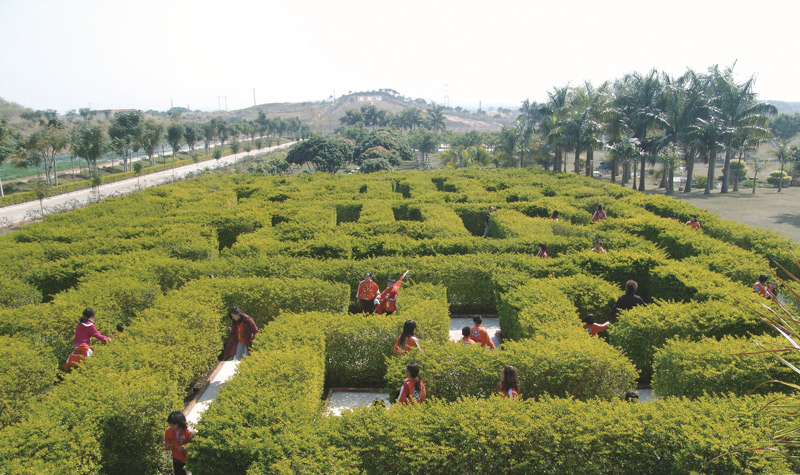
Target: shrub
15,293
640,331
693,368
579,366
778,176
26,373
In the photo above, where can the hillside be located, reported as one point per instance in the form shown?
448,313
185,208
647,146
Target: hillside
324,116
786,107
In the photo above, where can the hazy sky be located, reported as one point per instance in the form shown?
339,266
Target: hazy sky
68,54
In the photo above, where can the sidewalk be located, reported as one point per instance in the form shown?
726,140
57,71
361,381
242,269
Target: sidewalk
15,215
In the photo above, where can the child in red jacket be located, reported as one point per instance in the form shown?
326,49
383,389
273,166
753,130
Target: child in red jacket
176,437
509,382
413,389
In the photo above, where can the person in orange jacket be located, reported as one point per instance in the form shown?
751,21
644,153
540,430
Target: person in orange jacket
509,382
387,300
78,356
693,222
413,389
592,327
466,340
367,291
406,341
760,287
175,439
479,334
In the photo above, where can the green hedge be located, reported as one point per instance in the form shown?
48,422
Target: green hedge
559,436
578,366
639,332
357,345
15,293
692,368
26,374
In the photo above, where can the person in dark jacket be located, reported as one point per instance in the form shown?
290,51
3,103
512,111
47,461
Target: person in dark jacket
243,331
627,301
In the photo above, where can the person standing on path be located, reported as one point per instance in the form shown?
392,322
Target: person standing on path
367,291
243,331
479,334
627,301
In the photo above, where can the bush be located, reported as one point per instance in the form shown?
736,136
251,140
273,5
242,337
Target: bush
558,436
777,176
15,293
26,373
693,368
640,331
577,366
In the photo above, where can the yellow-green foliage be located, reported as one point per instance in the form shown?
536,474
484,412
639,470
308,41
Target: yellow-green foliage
291,250
26,373
559,436
691,368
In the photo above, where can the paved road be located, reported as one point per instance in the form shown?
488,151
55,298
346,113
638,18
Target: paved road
30,211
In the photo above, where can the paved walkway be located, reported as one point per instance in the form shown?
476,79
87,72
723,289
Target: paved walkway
20,213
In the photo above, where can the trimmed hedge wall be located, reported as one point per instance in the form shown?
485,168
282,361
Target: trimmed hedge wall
559,436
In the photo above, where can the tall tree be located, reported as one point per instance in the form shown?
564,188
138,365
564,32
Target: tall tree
152,133
709,133
637,98
192,135
551,127
126,127
425,141
743,115
10,147
175,133
209,134
436,118
89,141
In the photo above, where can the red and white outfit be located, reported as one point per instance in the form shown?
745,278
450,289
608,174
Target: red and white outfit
78,355
542,254
693,224
480,335
598,215
511,393
595,328
409,393
411,342
760,289
243,332
388,298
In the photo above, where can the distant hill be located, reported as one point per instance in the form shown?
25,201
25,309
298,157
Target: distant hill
786,107
324,116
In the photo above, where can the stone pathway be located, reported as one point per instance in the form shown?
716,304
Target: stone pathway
340,401
218,378
492,325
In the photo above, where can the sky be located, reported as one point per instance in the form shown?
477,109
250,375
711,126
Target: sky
149,54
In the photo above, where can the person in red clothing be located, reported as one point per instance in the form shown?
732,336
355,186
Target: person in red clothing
120,330
479,334
592,327
466,340
772,290
693,222
413,389
554,215
600,213
387,300
78,356
406,341
542,250
175,439
86,330
243,331
760,287
367,291
509,382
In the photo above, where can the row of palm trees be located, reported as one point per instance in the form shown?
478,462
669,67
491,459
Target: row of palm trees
405,120
643,119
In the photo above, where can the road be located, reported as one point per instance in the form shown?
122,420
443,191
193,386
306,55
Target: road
11,216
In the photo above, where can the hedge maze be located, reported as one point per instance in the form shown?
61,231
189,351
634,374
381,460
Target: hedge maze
168,262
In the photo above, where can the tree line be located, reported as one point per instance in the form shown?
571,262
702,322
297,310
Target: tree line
127,133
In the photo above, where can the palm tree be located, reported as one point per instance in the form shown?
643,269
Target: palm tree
709,135
637,98
551,127
743,116
783,154
682,101
622,150
436,118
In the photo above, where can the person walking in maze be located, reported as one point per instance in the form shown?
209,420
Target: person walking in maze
387,300
627,301
367,292
479,334
486,219
592,327
176,438
598,247
554,215
243,331
413,389
81,343
541,250
466,340
760,287
599,213
509,382
406,341
693,222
